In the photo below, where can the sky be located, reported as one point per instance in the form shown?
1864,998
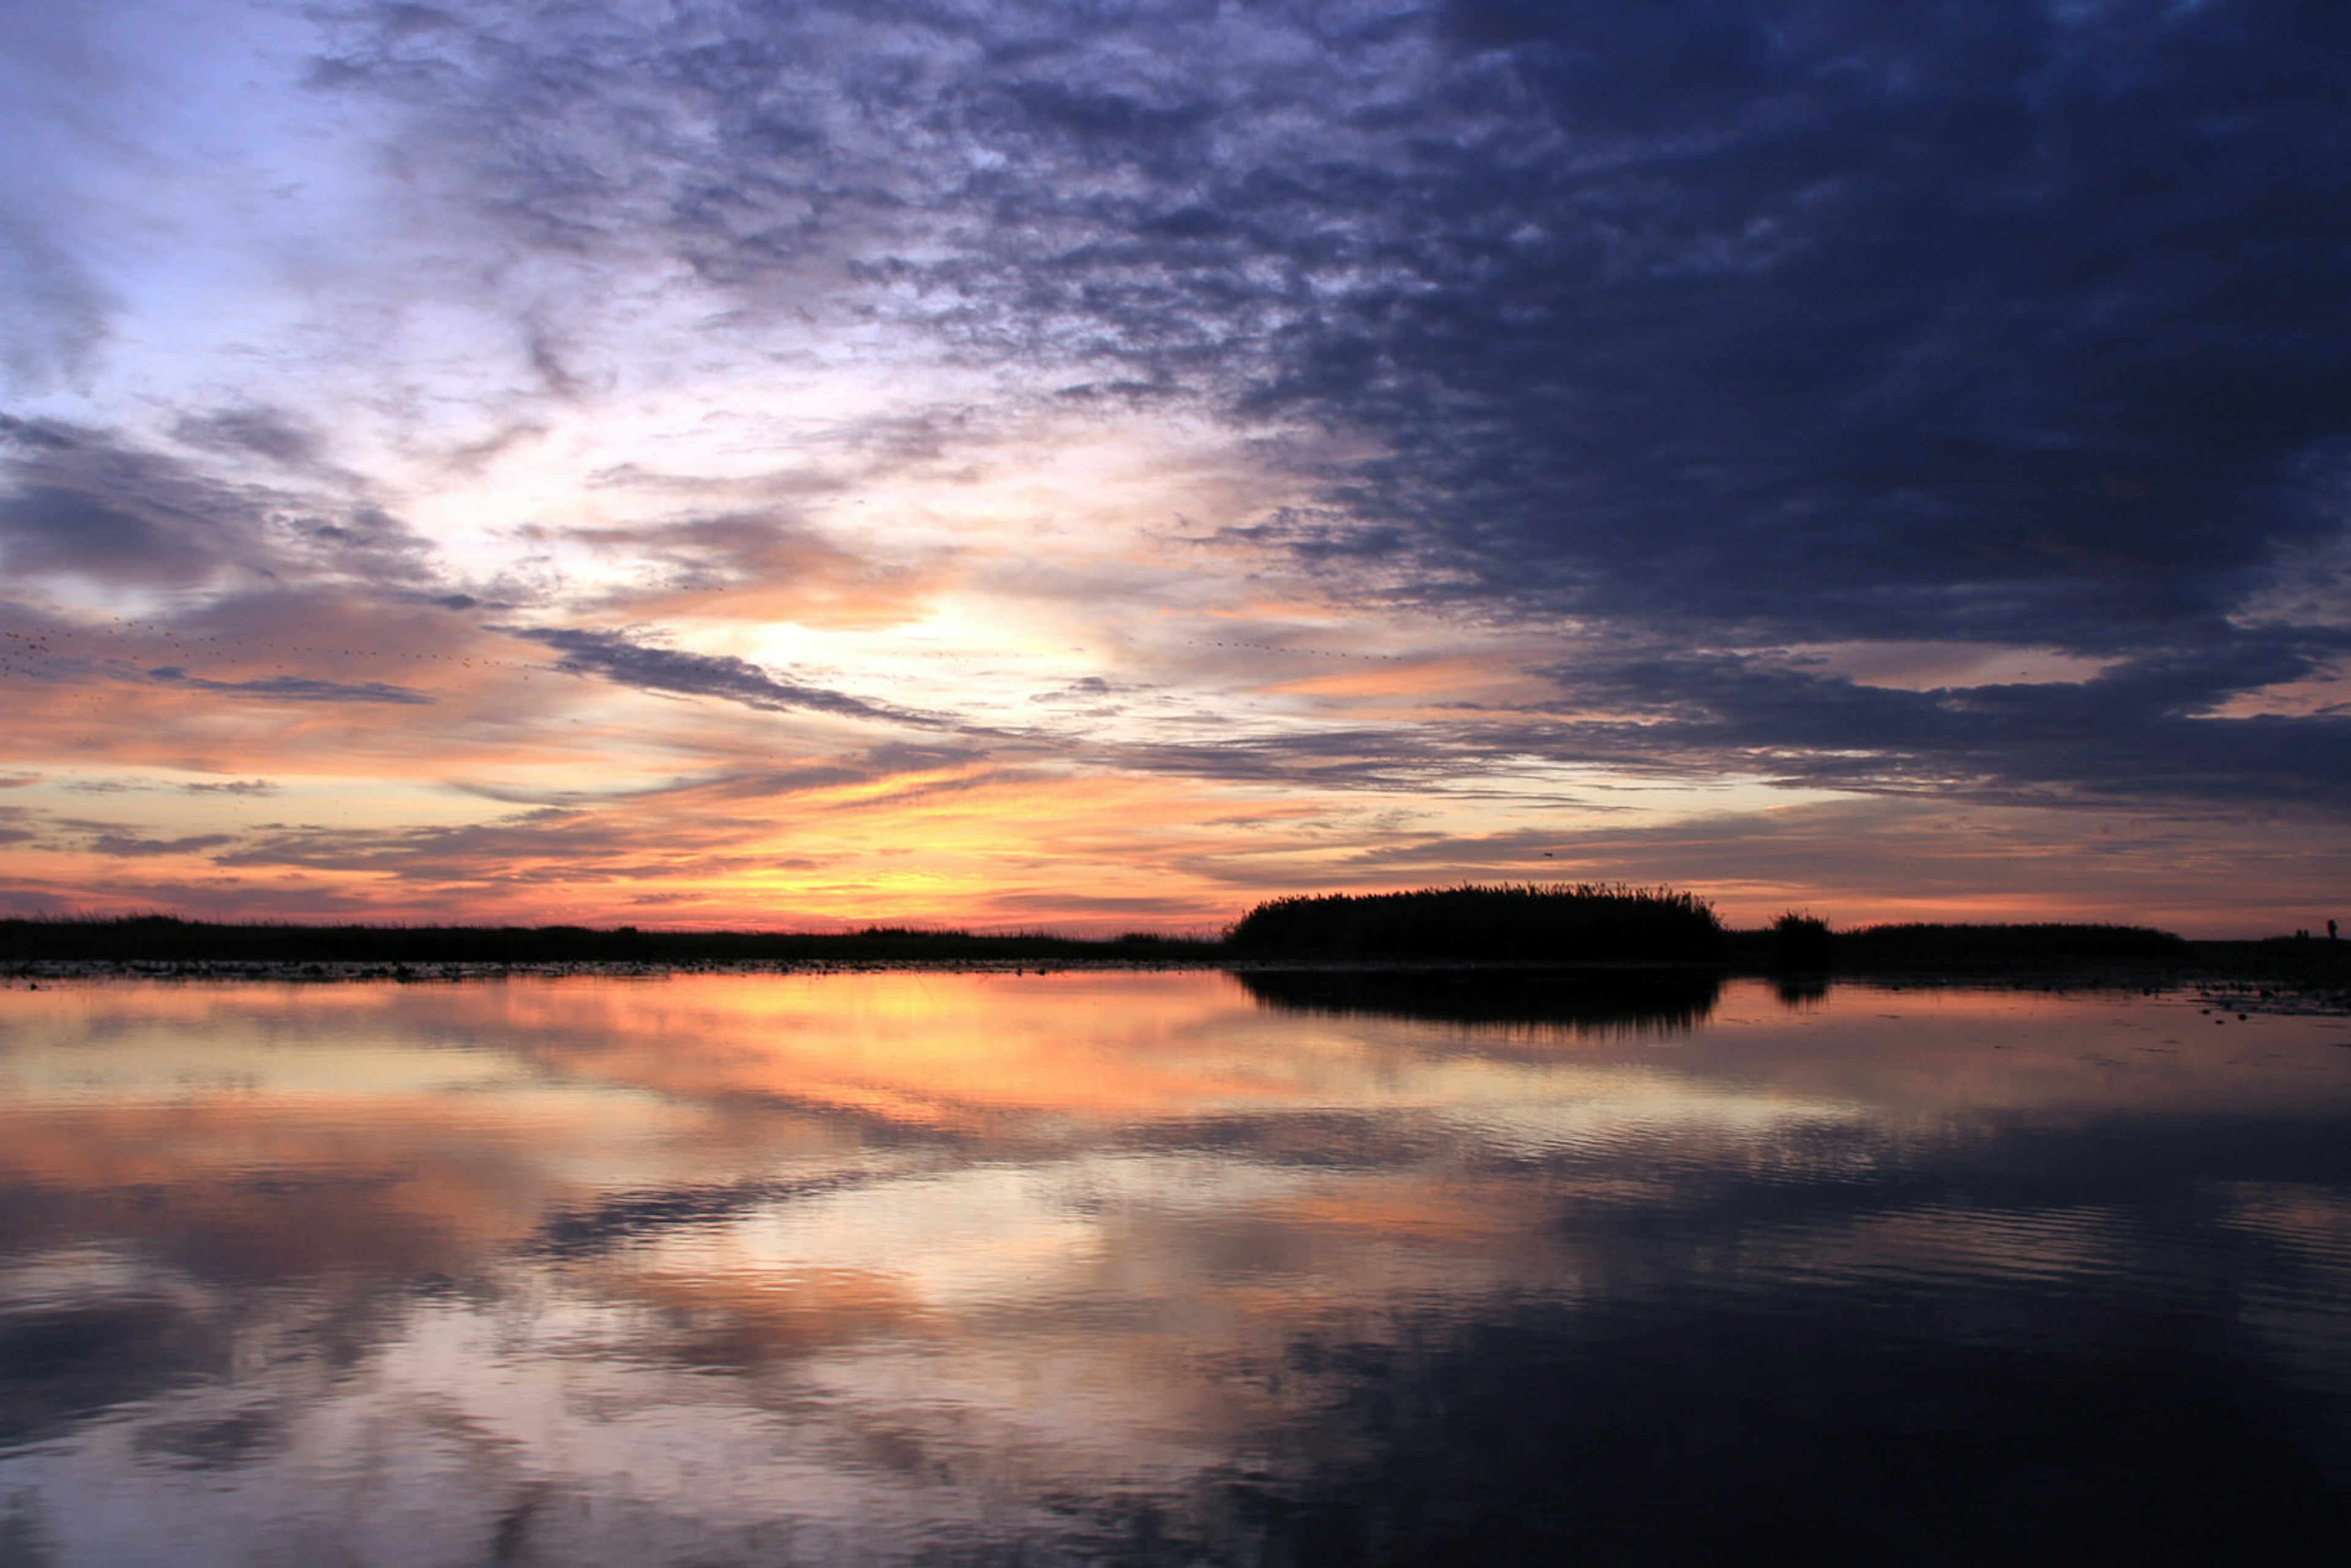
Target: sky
1094,467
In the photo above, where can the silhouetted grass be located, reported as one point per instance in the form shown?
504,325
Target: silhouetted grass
1801,941
1928,946
163,938
1581,923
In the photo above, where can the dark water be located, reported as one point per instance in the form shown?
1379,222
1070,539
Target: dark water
1166,1268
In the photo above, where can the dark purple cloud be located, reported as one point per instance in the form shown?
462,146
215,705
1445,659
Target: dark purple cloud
133,846
293,688
1709,323
633,664
101,506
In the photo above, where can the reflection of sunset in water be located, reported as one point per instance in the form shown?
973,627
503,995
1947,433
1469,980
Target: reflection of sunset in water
899,1264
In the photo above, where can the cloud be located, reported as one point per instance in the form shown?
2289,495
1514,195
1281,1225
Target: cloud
51,528
79,502
752,565
130,846
263,431
110,786
618,659
2141,729
548,848
54,314
293,688
1792,322
100,505
1599,366
1751,324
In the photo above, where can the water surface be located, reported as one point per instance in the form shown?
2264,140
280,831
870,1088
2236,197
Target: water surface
1183,1266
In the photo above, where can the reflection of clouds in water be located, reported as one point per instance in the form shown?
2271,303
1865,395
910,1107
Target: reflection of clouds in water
892,1264
37,1281
1931,1250
1603,1112
2297,1302
429,1447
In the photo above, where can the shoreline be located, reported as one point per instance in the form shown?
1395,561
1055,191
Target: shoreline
2246,981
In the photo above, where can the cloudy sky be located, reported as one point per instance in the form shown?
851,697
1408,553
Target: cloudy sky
1095,465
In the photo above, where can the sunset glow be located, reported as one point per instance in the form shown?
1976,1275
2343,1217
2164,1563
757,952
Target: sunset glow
1031,466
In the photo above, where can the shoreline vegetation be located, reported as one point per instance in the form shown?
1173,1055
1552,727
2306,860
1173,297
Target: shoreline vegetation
1582,926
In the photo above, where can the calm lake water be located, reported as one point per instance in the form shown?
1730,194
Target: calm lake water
1173,1268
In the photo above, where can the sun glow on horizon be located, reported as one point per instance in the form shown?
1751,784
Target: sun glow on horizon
809,468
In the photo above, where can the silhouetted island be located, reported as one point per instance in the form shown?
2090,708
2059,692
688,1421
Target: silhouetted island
1566,923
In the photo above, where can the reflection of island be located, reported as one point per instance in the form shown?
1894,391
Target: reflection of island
1659,998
